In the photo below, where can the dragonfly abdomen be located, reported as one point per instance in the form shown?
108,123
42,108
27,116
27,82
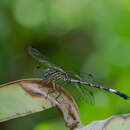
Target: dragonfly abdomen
101,87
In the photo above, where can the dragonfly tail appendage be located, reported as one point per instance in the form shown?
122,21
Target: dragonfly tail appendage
121,94
113,91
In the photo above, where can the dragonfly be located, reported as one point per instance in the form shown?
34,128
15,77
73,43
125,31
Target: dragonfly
54,73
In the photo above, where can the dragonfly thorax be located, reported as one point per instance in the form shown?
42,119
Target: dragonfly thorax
54,75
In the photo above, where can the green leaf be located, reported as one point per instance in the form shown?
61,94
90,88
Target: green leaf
15,101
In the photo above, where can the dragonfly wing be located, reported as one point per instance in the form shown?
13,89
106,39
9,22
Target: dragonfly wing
41,58
86,93
81,75
39,70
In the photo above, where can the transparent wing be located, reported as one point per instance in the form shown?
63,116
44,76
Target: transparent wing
41,58
39,70
86,93
81,75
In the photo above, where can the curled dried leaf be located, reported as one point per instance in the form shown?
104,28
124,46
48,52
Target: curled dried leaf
28,96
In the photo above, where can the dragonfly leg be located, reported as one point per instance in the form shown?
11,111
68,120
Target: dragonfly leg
54,88
54,85
47,83
59,94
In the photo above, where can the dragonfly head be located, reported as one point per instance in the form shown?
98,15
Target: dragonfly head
47,71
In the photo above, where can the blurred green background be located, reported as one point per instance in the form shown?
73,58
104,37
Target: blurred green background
79,35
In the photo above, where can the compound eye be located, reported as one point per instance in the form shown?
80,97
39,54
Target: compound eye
47,70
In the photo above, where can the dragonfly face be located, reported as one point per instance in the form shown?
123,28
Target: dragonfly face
47,72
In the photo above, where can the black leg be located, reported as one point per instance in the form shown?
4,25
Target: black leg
54,88
59,94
